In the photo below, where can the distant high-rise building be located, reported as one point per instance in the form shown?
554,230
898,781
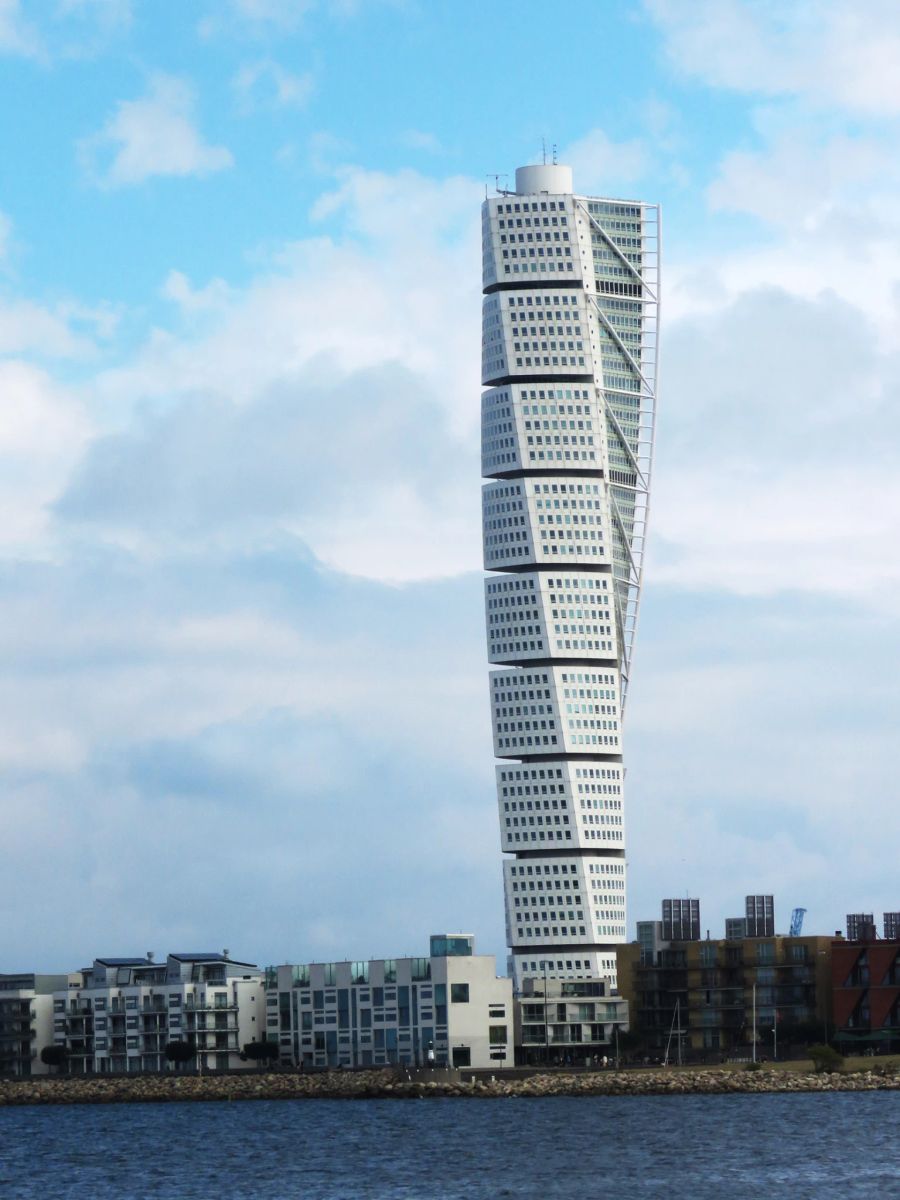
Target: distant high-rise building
569,351
760,916
735,928
681,920
891,928
860,927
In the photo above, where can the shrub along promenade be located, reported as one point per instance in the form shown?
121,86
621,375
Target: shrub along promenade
399,1085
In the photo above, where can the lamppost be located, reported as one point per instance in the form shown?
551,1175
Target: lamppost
754,1022
546,1018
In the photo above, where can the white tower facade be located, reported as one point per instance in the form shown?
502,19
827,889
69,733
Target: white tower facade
569,357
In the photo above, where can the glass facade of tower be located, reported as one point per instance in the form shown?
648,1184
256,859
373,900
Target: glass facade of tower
569,354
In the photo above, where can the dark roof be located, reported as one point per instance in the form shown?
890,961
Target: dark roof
204,956
126,962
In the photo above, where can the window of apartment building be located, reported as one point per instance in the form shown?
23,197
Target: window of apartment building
459,993
765,952
359,972
462,1056
390,970
497,1035
421,968
330,974
403,1005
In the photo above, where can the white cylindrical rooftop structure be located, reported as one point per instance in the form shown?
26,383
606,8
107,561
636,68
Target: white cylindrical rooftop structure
551,180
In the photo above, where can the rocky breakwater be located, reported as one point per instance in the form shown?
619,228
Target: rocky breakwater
364,1085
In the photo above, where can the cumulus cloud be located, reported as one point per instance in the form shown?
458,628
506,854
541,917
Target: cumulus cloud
42,435
18,36
418,139
830,53
359,466
260,17
230,698
743,718
795,408
69,28
341,351
266,84
6,227
154,135
601,166
218,643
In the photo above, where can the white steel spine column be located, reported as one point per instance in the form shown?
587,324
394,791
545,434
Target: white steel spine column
569,359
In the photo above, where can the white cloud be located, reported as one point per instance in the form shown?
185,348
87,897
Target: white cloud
43,434
601,166
30,328
417,139
6,227
18,36
350,324
779,458
260,16
155,135
69,29
214,297
797,183
831,53
266,84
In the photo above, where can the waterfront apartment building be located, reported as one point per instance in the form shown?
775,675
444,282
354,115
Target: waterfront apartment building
26,1021
705,990
444,1009
568,1022
866,983
118,1014
569,354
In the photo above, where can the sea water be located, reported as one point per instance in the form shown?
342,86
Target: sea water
816,1145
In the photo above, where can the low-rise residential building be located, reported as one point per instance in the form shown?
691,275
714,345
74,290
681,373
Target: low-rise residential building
563,1021
702,996
26,1021
122,1012
866,981
446,1009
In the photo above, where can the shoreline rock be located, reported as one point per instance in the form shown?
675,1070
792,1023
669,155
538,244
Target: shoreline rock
390,1085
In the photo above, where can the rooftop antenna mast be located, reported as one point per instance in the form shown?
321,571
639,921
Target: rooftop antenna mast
497,187
544,150
554,154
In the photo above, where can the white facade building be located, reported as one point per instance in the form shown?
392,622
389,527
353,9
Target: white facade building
447,1009
569,353
26,1021
120,1013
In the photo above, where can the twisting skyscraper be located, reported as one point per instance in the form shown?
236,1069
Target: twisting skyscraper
570,328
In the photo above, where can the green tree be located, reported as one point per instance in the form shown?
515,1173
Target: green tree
825,1059
261,1051
54,1056
179,1053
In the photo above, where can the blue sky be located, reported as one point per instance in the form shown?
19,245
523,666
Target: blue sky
243,698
